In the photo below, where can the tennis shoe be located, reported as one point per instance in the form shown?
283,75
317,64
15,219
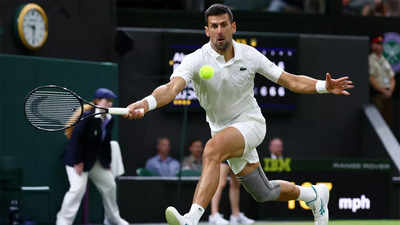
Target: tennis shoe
319,206
240,219
173,217
217,219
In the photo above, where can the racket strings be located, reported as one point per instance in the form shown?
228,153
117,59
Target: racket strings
52,108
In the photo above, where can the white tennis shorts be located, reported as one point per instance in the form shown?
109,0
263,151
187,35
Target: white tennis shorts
252,127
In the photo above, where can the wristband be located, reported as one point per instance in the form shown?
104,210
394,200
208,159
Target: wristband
320,87
151,101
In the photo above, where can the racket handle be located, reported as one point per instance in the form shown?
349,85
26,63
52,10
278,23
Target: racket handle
118,111
122,111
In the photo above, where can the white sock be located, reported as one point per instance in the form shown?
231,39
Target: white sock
306,194
196,211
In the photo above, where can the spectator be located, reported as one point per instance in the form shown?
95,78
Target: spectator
293,6
276,148
366,7
250,5
393,7
314,6
381,77
377,8
194,160
355,7
162,164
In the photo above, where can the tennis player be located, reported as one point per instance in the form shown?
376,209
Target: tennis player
236,122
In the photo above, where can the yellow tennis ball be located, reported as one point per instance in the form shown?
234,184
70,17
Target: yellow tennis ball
206,72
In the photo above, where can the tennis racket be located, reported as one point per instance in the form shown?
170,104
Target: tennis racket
55,108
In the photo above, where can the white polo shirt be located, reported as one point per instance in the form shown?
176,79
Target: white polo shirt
229,93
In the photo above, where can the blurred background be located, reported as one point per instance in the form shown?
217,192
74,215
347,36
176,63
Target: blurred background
132,46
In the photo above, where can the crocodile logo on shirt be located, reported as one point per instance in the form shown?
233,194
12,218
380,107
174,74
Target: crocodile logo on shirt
243,68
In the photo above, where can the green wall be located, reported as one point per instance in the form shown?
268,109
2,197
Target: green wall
39,153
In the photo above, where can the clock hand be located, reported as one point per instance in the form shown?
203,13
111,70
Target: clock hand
33,34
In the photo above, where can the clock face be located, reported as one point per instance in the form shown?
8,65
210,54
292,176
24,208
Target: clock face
34,28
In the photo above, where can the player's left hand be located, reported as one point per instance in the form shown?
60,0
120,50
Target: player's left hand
338,86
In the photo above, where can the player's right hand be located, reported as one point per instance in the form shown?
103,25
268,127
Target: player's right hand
137,110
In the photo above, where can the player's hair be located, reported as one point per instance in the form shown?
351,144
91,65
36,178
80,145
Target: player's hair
275,138
161,138
218,9
195,140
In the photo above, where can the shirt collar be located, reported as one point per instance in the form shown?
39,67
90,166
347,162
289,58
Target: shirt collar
194,159
216,55
377,56
236,49
166,160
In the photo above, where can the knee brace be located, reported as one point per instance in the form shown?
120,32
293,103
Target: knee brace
260,188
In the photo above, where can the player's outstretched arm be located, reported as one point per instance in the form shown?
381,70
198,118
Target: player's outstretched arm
161,96
307,85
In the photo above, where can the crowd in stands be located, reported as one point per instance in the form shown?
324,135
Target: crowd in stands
372,7
386,8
